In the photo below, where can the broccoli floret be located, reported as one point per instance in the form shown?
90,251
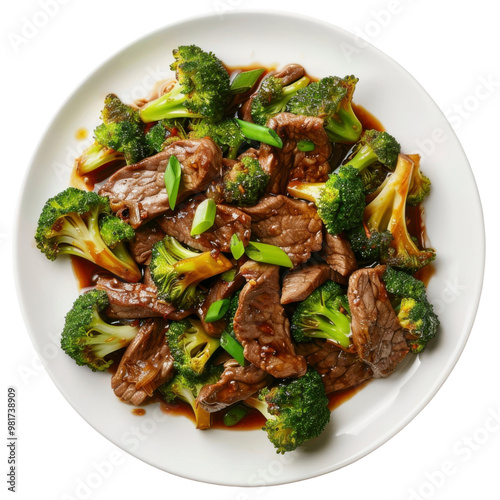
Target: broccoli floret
187,389
296,410
340,200
324,314
420,185
387,212
416,314
245,183
69,225
114,230
177,272
87,337
331,99
191,346
226,134
272,97
120,136
201,90
369,247
375,146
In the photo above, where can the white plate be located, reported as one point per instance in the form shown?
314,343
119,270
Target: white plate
381,409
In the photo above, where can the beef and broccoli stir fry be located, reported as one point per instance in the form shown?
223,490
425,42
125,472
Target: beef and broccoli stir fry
253,246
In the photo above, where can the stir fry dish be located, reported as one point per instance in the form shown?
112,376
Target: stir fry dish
257,247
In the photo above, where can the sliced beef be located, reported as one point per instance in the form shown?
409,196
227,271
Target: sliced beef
228,221
137,192
145,365
376,333
339,369
261,325
236,383
135,300
338,254
145,237
220,290
300,282
288,163
293,225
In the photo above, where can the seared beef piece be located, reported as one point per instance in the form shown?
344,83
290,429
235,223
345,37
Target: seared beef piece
137,192
135,300
261,325
339,369
288,163
228,221
218,291
300,282
145,365
292,225
289,74
145,237
339,256
236,383
376,332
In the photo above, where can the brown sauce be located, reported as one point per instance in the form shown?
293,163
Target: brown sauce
138,412
86,272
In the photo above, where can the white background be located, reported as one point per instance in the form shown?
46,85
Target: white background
452,448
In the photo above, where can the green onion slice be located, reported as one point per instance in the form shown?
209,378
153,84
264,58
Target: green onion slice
245,80
259,133
236,246
270,254
234,415
228,276
217,310
232,347
204,217
173,174
305,145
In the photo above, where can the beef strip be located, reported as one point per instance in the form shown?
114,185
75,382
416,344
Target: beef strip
338,254
236,383
289,74
228,221
145,365
289,163
137,192
339,369
376,332
145,237
261,325
293,225
135,300
300,282
220,290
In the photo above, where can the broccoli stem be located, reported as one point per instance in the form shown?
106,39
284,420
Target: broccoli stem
363,158
310,191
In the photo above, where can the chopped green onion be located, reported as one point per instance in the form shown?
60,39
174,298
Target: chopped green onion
245,80
270,254
260,133
204,217
172,177
228,276
217,310
236,246
234,415
232,347
305,145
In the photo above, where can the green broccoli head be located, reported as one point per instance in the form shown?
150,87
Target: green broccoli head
416,314
325,315
272,97
296,410
331,99
87,337
202,89
69,225
191,347
245,183
420,185
177,271
114,230
186,389
369,247
375,146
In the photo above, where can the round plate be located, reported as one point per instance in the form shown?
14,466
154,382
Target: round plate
375,413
